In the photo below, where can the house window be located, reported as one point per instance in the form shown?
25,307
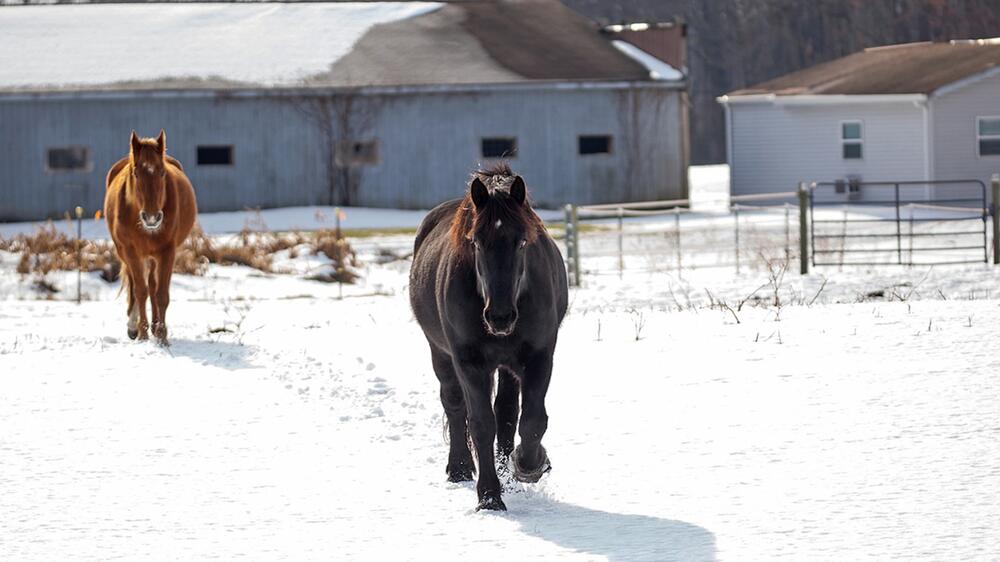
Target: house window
595,144
496,147
851,140
215,155
68,159
988,135
356,153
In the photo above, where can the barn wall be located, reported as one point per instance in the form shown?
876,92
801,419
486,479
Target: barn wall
428,143
274,152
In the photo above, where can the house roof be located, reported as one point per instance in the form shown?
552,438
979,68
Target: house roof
915,68
254,45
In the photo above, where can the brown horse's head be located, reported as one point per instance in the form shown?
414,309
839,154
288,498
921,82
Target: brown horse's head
149,176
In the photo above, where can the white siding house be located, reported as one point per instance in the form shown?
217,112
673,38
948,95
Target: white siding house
918,112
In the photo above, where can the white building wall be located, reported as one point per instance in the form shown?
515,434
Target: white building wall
954,110
774,146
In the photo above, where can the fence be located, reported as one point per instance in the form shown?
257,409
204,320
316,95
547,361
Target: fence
752,231
903,223
816,225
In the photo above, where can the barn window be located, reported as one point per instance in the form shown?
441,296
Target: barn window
68,159
496,147
215,155
988,135
356,153
595,144
852,140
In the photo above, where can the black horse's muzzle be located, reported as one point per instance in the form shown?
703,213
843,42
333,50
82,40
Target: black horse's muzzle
499,323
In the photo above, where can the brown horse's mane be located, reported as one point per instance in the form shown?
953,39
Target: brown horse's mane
468,224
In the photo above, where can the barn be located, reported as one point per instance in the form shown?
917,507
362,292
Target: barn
915,112
376,104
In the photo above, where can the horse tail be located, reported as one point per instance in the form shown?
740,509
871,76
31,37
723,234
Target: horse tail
124,277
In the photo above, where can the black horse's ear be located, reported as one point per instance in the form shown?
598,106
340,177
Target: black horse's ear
480,195
517,190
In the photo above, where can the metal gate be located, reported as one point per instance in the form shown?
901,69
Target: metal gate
902,223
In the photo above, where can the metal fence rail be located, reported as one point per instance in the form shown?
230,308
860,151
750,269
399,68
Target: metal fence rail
898,228
665,236
822,224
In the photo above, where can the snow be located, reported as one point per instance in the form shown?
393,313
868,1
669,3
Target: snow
658,69
857,427
268,44
283,219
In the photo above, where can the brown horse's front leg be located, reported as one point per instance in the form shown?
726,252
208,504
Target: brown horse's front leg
161,295
135,268
151,287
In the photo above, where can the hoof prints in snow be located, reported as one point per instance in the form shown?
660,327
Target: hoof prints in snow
703,440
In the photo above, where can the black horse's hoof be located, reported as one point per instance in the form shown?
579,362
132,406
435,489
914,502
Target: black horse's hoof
463,475
133,333
530,475
491,502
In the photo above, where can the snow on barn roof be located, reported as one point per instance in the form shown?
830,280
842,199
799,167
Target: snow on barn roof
253,45
913,68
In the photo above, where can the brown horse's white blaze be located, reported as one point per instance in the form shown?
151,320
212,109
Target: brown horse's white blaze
150,208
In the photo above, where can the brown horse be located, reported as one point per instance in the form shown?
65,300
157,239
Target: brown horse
150,208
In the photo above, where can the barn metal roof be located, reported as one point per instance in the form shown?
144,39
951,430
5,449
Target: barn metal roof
914,68
128,47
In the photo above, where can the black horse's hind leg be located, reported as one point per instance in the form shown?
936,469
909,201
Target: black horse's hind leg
505,405
477,383
530,459
460,466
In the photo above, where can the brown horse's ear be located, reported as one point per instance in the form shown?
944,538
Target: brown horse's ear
517,190
480,195
161,142
135,145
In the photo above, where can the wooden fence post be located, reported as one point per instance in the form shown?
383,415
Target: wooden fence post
803,228
572,245
994,209
568,233
621,242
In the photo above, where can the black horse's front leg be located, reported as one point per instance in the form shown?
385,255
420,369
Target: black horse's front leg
530,459
476,384
505,405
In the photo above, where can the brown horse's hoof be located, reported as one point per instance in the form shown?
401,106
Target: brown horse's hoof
491,502
530,475
133,333
160,332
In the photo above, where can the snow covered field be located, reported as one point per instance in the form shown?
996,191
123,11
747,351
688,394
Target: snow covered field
286,423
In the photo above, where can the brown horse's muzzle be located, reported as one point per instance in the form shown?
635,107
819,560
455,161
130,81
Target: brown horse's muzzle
151,223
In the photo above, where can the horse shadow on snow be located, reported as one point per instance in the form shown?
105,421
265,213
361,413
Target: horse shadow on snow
617,536
226,355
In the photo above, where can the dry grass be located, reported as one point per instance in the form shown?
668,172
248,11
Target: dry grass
48,250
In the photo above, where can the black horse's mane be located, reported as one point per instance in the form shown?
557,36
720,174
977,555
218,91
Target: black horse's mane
468,223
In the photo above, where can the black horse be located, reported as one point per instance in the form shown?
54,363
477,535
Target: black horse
488,287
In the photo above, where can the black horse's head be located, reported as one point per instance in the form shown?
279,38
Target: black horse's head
501,228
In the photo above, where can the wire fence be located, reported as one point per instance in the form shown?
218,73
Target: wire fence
667,236
820,225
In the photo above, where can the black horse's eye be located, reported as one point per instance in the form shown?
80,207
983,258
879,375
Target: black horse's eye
523,243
